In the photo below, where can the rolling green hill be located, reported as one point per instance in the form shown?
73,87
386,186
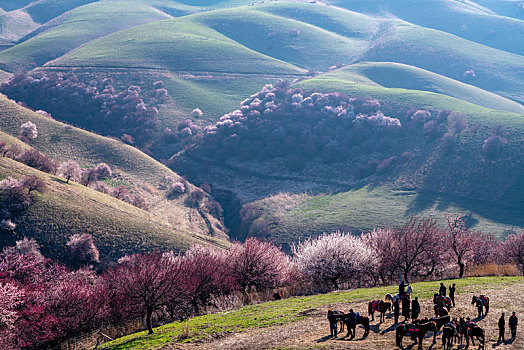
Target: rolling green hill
14,25
78,27
394,75
467,19
132,168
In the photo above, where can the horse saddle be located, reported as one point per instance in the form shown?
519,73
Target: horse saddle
375,304
410,329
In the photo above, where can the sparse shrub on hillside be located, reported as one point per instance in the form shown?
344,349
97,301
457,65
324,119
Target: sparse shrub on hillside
449,143
33,183
103,171
13,195
25,246
197,113
102,187
457,122
469,74
89,176
44,114
214,208
7,225
4,148
492,147
83,249
28,131
122,193
331,259
195,197
139,202
177,188
37,160
95,105
70,170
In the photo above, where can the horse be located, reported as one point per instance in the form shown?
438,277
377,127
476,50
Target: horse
339,316
441,311
416,331
439,322
449,332
363,320
380,306
472,330
484,301
442,300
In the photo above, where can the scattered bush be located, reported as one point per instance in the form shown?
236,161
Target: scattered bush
83,249
28,131
492,147
37,160
33,183
70,170
7,225
103,171
197,113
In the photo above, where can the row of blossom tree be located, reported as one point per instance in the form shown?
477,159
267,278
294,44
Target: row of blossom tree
42,302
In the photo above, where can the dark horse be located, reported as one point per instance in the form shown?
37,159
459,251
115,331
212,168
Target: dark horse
380,306
471,330
441,311
417,332
439,323
363,320
481,301
441,302
449,332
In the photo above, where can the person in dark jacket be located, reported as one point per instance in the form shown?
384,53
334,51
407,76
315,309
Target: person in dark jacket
401,288
351,323
502,326
452,290
415,309
332,323
396,310
513,322
442,289
406,308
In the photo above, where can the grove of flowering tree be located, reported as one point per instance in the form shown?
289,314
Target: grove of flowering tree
43,303
95,105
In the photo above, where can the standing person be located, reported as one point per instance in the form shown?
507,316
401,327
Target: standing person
332,323
502,325
415,309
352,321
401,288
452,290
406,308
513,322
442,289
396,310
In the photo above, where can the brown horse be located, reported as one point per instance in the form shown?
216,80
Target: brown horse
417,332
449,333
439,322
363,320
380,306
471,330
441,311
481,301
442,300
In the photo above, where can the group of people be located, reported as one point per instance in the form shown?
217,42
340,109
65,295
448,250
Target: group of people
351,320
512,323
411,309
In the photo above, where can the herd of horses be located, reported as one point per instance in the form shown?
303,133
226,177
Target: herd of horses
453,330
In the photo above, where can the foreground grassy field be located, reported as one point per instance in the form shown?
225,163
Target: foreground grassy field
300,322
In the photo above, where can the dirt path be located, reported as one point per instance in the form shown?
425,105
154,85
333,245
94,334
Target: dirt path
313,331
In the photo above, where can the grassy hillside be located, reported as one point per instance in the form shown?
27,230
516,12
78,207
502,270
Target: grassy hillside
467,20
45,10
300,322
394,75
67,209
14,25
133,169
177,45
81,25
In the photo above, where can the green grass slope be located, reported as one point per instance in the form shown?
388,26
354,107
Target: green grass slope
67,209
177,45
290,311
140,173
43,11
466,19
14,25
394,75
78,27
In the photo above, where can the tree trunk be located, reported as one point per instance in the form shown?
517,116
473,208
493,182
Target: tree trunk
461,268
148,321
406,274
